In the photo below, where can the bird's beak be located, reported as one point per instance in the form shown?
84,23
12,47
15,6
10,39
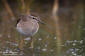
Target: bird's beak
42,22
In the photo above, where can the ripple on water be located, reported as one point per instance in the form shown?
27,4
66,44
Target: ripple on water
44,49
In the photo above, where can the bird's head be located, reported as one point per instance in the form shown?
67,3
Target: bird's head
37,19
27,17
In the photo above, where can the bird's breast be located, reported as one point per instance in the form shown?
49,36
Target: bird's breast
28,28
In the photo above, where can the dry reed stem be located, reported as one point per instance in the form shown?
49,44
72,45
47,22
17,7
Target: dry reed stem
8,8
23,6
28,2
56,20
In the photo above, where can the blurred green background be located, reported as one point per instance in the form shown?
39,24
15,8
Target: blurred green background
63,34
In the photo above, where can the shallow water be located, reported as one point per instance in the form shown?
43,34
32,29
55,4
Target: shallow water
72,41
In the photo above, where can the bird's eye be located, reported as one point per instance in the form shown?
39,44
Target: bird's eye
33,17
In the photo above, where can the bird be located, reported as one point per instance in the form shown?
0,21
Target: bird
27,25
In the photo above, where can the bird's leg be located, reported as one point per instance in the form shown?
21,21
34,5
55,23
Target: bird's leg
31,43
32,46
21,44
